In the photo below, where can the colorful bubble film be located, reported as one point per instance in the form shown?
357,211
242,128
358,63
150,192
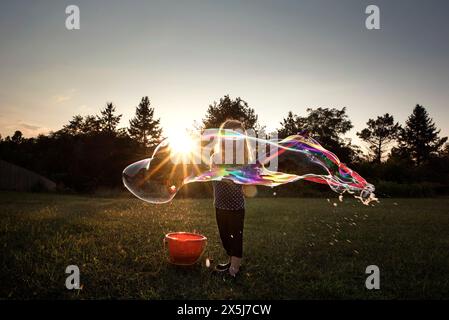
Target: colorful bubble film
159,178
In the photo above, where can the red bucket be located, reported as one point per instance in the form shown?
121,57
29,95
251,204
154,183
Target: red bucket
184,248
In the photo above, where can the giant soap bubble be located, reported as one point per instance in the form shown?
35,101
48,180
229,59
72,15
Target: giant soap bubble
299,157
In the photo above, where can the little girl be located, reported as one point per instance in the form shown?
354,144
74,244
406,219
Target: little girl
229,205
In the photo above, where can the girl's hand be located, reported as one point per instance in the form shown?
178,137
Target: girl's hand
249,191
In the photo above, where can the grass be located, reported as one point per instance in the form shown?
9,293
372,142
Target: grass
294,249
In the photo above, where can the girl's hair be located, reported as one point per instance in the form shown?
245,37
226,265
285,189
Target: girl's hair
234,125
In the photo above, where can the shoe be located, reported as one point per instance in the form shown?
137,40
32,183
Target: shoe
222,267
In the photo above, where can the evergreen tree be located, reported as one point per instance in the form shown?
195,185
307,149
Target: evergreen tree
420,138
91,124
143,127
108,120
379,135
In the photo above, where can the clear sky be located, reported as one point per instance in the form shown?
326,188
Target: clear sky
277,55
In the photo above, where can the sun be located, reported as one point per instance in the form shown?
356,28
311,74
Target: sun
181,143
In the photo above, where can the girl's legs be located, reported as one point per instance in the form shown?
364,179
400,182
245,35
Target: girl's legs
230,226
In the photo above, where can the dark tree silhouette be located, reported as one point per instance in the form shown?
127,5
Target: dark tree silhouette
327,126
238,109
444,152
79,125
379,135
419,139
17,137
108,120
290,125
143,127
90,125
74,127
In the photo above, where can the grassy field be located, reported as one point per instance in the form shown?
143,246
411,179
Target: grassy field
294,248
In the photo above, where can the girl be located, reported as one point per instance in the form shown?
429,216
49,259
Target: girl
229,205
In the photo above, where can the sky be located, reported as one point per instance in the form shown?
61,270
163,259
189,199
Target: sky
276,55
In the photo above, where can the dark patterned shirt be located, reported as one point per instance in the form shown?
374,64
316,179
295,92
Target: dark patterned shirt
228,195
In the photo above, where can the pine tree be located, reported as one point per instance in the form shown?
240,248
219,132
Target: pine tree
108,120
379,135
91,125
143,127
420,138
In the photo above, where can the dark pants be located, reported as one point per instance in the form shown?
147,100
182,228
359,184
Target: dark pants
230,226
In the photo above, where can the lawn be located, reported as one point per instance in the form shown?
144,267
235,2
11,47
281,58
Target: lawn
293,248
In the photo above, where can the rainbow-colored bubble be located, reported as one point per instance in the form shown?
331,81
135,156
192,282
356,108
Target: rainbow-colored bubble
159,178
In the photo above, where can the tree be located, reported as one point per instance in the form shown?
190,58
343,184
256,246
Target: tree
237,109
143,127
327,126
90,125
81,125
108,120
445,151
17,137
290,126
379,135
74,127
420,138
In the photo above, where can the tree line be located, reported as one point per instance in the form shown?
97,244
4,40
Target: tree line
89,152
